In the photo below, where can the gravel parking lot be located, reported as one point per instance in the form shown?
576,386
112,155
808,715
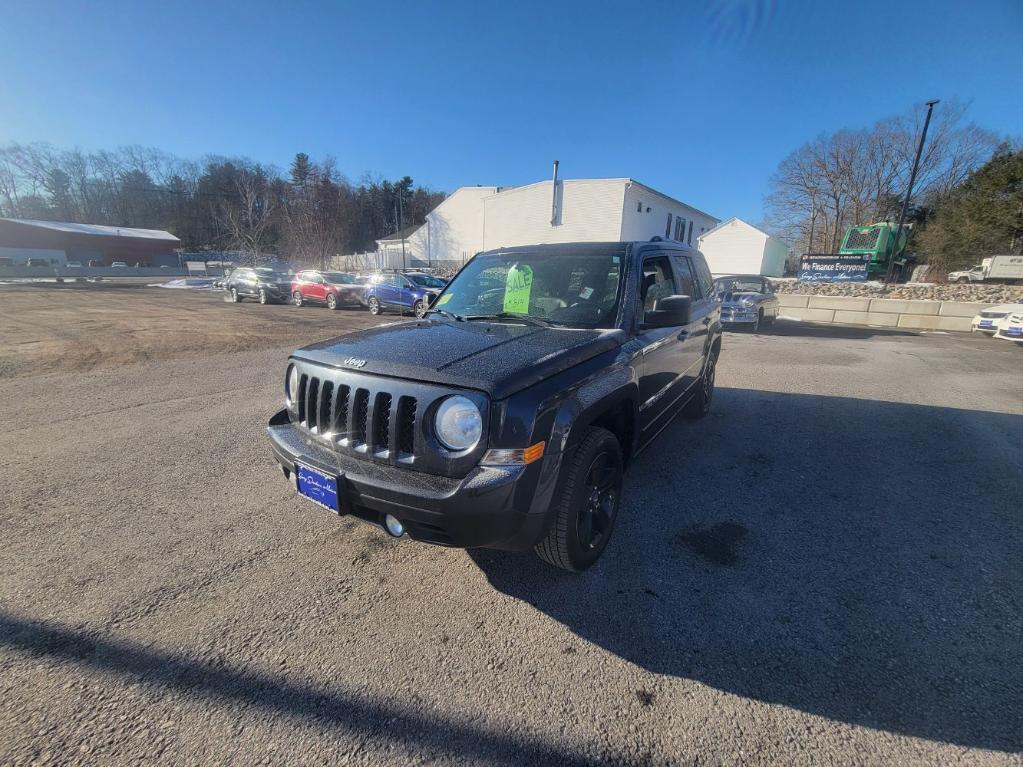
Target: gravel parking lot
825,570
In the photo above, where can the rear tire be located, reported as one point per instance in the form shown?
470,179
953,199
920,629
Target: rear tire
586,504
699,404
331,301
297,299
374,305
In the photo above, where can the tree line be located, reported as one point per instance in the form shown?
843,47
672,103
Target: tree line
859,176
217,203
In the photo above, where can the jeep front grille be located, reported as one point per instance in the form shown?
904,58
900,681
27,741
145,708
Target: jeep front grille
379,418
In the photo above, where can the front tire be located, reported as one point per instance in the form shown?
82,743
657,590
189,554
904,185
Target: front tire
419,307
297,299
235,298
374,305
587,504
331,301
263,297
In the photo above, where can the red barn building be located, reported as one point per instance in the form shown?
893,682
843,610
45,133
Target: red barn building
60,242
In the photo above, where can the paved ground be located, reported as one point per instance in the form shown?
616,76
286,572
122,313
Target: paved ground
825,570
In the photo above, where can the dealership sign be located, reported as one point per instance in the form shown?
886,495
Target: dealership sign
833,268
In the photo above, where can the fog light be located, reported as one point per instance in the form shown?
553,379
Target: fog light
394,526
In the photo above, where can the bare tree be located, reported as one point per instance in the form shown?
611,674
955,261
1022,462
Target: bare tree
250,215
859,176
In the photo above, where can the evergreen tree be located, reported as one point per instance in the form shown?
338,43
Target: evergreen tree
981,217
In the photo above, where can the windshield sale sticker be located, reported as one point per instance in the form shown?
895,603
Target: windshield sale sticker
517,287
443,299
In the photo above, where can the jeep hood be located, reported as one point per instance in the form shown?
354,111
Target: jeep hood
495,357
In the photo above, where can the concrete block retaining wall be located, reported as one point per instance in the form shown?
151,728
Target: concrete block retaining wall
880,312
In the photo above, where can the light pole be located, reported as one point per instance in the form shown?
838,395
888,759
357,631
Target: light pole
909,191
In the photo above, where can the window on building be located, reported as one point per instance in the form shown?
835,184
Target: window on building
680,228
639,206
689,237
667,229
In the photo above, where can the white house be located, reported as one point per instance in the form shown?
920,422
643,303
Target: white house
735,247
476,218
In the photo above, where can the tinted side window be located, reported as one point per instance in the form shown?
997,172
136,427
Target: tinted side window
703,275
657,282
684,278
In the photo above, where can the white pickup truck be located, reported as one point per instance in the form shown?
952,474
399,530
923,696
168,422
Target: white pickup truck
1004,269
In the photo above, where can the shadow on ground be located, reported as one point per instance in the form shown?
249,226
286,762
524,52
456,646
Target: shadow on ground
793,328
278,695
853,559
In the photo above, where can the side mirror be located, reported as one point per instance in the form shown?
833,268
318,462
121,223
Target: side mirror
671,311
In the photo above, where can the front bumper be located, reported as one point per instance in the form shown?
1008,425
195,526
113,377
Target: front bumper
977,327
1011,333
738,317
491,507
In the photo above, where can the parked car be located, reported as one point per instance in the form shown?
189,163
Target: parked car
268,286
119,265
334,289
988,319
747,300
505,418
398,292
1010,327
93,262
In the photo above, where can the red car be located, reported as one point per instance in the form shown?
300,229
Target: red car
331,288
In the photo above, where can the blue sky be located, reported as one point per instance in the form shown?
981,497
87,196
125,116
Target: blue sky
701,104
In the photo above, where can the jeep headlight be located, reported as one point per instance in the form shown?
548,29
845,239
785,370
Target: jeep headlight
458,423
291,386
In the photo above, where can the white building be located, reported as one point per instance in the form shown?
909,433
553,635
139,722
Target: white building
735,247
476,218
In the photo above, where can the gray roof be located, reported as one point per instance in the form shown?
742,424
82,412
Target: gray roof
96,229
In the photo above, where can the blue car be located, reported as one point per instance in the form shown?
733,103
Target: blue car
408,292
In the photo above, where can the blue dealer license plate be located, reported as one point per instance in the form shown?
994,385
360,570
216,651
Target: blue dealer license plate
986,323
317,487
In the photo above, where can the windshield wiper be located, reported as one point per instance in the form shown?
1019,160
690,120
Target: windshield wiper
524,318
446,313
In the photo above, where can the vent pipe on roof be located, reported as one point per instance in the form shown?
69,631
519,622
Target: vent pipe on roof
554,196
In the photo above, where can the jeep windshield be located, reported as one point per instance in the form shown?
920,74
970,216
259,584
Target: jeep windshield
577,290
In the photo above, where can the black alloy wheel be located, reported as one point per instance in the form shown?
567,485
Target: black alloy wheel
587,503
699,405
603,483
